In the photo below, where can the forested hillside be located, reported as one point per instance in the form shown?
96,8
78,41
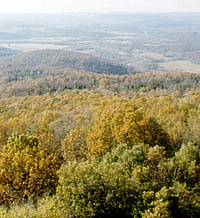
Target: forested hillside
61,59
102,152
81,136
41,81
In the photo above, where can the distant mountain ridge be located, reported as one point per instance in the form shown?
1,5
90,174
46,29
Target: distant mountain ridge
61,59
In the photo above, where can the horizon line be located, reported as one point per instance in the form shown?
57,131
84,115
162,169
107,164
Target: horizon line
101,12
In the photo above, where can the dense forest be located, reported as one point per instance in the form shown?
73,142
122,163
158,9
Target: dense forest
99,115
76,144
44,81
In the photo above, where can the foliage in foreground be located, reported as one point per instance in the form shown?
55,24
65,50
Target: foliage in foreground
136,182
121,157
28,170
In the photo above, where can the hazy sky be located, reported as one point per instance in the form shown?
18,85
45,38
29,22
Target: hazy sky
30,6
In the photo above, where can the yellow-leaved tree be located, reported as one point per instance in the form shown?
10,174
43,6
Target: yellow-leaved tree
124,124
28,170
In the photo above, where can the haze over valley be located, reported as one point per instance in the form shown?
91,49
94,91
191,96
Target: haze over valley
141,42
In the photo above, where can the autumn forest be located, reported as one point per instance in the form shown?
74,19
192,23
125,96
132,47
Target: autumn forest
91,136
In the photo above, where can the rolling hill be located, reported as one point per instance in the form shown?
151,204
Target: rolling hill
61,59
